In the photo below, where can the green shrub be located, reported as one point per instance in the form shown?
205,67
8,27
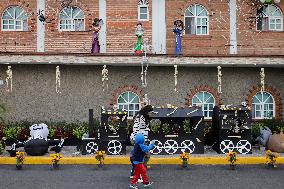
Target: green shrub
79,131
255,130
11,132
273,125
166,128
2,112
1,148
155,125
51,133
186,126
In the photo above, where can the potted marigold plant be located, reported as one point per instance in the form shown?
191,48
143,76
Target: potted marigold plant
271,159
100,157
20,157
55,158
184,158
232,158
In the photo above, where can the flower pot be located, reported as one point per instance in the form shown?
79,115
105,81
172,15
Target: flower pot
184,165
55,166
19,166
271,166
233,167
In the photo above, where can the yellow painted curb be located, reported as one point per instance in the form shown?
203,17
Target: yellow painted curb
125,160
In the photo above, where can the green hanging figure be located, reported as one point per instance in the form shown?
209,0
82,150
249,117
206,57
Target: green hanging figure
139,33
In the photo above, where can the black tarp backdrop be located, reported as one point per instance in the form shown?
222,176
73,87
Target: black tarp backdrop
231,127
175,140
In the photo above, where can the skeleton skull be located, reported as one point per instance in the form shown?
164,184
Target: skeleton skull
39,131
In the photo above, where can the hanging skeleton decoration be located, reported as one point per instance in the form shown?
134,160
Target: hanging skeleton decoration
146,100
219,79
57,79
175,75
144,72
144,75
105,77
9,79
262,77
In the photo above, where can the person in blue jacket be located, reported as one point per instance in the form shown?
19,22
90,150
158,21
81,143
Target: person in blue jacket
139,151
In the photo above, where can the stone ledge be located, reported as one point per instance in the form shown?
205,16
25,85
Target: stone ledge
134,60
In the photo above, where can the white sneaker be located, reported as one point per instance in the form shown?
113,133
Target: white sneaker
133,186
148,185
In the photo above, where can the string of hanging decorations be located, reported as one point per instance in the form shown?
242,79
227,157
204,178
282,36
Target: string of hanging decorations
104,77
9,79
219,75
57,79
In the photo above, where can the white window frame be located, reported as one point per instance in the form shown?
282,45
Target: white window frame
139,13
203,102
261,104
195,19
272,18
14,19
128,103
71,20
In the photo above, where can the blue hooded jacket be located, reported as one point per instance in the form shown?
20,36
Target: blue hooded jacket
140,149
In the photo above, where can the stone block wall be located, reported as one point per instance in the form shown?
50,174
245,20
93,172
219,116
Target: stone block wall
34,96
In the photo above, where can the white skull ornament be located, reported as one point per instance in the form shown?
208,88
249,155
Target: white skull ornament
39,131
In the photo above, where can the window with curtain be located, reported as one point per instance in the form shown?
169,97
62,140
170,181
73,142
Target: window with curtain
269,18
196,20
14,19
71,19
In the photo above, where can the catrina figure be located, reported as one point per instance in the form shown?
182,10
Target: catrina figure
139,33
97,24
178,33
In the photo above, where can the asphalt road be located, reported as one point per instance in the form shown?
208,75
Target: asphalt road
164,177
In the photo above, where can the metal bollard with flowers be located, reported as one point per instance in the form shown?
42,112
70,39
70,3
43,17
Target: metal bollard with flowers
271,159
232,158
55,158
100,157
20,157
184,157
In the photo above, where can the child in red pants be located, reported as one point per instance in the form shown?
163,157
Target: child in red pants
139,151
